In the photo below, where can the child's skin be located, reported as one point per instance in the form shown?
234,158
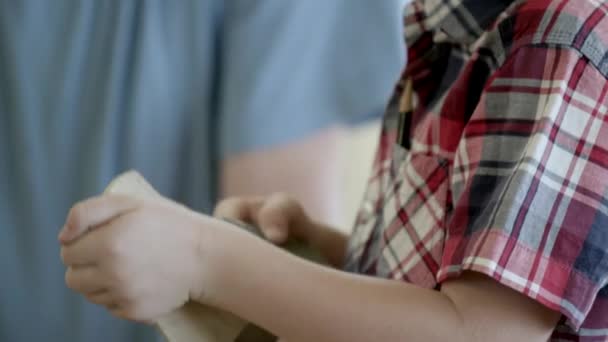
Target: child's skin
144,258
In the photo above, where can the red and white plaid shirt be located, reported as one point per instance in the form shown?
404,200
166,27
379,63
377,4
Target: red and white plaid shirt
502,166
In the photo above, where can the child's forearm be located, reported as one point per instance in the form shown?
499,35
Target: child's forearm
300,301
213,262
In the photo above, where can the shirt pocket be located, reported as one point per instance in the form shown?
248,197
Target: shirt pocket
408,242
364,243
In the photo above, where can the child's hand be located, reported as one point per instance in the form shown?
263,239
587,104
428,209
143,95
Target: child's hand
139,258
278,216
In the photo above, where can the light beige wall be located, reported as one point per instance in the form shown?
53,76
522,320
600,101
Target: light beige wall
359,145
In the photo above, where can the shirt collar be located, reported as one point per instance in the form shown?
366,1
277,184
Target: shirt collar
463,21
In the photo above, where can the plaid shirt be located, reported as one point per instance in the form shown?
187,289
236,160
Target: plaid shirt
502,165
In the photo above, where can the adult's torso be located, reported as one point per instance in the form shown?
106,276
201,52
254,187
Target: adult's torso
87,90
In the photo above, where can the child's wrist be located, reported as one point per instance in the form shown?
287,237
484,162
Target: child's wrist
215,241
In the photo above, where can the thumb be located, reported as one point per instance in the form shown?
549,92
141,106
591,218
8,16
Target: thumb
276,232
275,216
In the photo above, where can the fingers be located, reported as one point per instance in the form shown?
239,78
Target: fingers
84,279
274,215
239,208
93,212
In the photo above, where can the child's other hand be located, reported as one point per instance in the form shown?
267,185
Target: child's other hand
139,258
278,216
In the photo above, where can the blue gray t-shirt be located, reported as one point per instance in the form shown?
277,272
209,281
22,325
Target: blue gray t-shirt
91,88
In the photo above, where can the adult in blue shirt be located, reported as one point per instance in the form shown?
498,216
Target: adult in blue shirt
91,88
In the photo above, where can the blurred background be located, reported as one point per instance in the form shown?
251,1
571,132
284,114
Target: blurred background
359,144
206,98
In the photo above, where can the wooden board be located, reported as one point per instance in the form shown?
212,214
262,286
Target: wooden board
195,322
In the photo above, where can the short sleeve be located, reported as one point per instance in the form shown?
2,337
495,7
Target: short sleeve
529,185
290,69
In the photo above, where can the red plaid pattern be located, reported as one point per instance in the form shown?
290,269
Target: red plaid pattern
502,166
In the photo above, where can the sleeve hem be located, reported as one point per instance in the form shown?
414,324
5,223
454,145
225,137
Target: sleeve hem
559,287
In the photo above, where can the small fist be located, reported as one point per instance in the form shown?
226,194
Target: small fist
139,258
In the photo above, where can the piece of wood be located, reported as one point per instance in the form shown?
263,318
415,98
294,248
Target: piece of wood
195,322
